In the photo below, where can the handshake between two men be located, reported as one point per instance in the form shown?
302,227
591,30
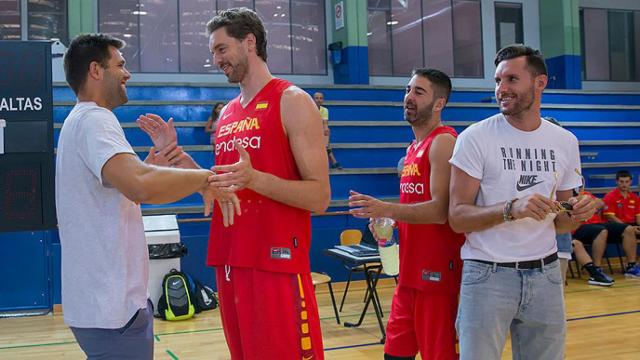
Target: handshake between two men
223,181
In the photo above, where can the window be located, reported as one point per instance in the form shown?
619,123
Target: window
276,19
194,55
467,39
170,35
621,45
610,44
308,31
47,20
158,21
438,44
10,20
379,37
443,34
406,29
508,24
121,19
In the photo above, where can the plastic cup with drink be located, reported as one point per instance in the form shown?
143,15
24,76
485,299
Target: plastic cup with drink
387,246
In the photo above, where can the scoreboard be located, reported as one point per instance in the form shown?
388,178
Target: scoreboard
26,139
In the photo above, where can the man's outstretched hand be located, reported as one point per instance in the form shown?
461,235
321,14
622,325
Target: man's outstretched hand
236,176
161,133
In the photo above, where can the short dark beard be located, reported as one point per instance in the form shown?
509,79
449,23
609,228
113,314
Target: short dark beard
519,109
239,71
115,95
423,116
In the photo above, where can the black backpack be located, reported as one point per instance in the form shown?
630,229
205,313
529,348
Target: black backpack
205,298
177,300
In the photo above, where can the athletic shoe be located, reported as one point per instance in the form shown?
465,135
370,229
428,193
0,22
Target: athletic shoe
598,277
336,166
633,272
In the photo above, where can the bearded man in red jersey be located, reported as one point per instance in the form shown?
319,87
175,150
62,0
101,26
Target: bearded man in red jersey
423,310
269,151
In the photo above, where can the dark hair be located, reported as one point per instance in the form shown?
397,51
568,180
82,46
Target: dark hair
535,60
441,81
215,115
239,23
83,50
623,174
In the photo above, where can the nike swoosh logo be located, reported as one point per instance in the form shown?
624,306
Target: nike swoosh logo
225,116
525,187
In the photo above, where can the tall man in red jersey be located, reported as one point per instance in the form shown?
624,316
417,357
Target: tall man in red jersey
270,151
425,302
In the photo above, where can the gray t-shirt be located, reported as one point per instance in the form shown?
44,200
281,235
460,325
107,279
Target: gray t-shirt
105,262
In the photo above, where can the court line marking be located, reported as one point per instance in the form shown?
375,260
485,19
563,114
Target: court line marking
326,318
173,356
604,315
572,319
352,346
155,335
603,288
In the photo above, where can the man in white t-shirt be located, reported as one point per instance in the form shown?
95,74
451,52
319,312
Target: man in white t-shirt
99,184
509,172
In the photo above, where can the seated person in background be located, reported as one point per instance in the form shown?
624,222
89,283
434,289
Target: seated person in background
596,275
563,240
596,233
621,207
400,166
212,122
318,98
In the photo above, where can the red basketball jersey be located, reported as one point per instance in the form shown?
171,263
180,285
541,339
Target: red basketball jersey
269,235
429,253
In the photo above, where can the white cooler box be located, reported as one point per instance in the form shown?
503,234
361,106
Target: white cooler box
160,229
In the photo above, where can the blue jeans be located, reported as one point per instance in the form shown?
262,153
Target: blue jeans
495,300
133,341
564,242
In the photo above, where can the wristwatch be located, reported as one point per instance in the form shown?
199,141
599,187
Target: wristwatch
506,211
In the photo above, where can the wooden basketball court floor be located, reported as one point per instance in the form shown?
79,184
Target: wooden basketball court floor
602,323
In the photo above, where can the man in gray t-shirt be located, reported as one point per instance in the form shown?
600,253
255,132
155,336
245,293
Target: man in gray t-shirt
100,183
509,173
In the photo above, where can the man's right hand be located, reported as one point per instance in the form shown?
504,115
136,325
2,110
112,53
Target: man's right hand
161,133
535,206
171,155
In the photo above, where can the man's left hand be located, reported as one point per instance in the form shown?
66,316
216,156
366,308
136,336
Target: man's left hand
161,133
583,207
236,176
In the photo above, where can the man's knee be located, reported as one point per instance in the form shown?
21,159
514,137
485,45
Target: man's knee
603,234
629,231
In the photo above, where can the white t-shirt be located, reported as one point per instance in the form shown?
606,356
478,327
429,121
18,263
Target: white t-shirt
105,261
511,163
